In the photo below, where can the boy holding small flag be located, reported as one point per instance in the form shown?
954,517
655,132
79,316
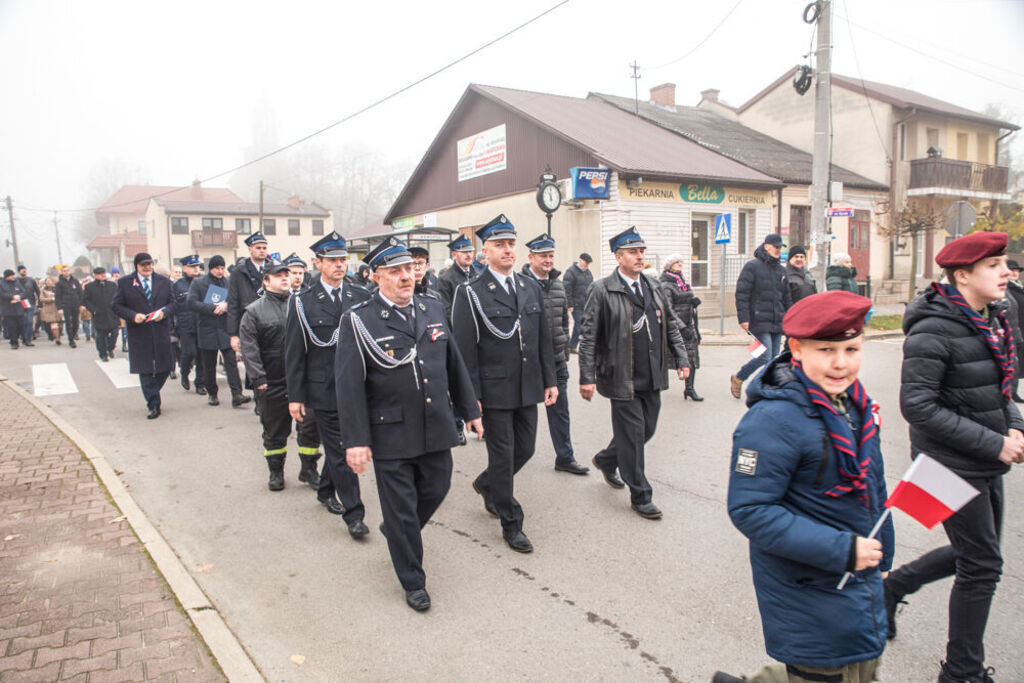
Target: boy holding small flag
958,364
807,487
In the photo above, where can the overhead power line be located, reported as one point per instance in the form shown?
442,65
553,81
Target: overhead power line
864,87
701,43
340,121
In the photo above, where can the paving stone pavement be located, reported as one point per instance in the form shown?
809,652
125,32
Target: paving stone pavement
80,599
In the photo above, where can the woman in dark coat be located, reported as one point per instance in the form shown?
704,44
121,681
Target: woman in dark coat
842,275
684,304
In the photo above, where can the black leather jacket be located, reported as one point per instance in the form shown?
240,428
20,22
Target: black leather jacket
606,340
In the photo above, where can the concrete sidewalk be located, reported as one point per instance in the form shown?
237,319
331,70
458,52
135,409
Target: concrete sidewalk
80,597
735,336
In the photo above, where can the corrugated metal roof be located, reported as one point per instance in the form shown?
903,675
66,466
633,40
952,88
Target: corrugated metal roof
243,208
625,142
739,142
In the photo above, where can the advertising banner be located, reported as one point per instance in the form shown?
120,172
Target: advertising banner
590,183
482,153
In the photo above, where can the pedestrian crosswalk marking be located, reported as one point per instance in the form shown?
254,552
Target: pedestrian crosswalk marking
52,379
117,372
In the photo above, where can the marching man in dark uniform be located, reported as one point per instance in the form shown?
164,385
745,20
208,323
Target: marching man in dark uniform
187,323
461,250
630,334
245,285
502,331
299,277
262,333
396,367
314,316
542,268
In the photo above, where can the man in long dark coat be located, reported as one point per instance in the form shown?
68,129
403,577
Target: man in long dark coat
97,297
144,301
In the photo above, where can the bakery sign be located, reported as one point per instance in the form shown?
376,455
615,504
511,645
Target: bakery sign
694,193
482,153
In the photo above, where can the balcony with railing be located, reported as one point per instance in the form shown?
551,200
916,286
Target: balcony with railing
953,177
214,238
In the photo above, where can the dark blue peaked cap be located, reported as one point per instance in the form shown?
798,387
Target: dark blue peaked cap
190,260
255,238
541,244
460,243
390,252
500,228
627,239
330,246
293,259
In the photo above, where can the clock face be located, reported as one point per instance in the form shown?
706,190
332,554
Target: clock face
550,197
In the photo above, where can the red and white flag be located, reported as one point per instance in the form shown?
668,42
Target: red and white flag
930,492
756,348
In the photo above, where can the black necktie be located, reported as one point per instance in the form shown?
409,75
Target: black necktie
336,294
639,294
407,312
508,285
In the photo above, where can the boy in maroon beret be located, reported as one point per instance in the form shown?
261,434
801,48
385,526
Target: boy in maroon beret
958,364
807,487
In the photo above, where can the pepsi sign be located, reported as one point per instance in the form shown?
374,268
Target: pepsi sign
590,183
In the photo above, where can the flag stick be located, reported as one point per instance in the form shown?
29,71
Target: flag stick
878,525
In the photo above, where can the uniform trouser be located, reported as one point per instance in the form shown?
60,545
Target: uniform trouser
633,425
106,341
511,439
855,672
230,369
71,321
974,557
189,355
411,490
28,331
772,344
151,386
87,328
577,320
336,476
558,418
277,423
13,325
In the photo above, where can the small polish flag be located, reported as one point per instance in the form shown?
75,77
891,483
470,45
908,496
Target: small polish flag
756,348
930,492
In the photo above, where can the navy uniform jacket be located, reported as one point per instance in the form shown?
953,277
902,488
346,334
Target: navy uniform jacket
243,288
447,282
309,367
150,343
401,412
505,374
185,320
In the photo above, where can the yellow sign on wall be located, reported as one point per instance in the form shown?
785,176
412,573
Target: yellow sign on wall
695,193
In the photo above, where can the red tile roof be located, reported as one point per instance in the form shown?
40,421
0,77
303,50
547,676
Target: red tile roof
133,199
133,242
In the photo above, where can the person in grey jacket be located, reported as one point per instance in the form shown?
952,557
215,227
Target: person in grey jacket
578,280
798,276
541,267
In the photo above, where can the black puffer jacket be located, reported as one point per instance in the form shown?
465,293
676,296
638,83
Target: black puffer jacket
556,306
950,390
684,304
800,282
762,295
261,333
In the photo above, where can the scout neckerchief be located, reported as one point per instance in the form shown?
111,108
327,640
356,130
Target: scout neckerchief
1002,354
854,459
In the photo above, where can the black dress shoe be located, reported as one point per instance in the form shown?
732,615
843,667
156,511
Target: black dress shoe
105,359
572,467
213,400
488,505
358,529
29,344
185,383
72,344
201,391
647,510
612,477
418,599
153,414
173,375
332,505
383,531
239,399
518,541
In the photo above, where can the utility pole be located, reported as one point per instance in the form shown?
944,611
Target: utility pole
822,133
14,238
636,87
56,232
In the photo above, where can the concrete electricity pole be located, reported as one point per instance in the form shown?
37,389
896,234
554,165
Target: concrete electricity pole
14,238
822,131
56,233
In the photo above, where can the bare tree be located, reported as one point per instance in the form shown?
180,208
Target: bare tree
106,178
908,226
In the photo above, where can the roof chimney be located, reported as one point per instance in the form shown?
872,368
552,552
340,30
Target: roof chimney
664,94
709,95
197,190
295,201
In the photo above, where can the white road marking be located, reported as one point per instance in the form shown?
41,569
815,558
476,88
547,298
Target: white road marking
117,372
52,379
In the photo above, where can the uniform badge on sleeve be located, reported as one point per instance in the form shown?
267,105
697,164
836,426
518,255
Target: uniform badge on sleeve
746,461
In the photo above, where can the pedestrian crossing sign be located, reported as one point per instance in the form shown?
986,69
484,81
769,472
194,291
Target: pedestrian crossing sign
723,228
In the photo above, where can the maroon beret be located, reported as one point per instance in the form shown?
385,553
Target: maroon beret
829,316
969,249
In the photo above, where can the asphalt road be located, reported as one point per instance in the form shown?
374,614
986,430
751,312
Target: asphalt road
606,596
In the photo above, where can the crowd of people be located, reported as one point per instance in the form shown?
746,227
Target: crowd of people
391,364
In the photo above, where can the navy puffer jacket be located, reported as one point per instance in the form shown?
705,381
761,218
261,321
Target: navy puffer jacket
762,294
800,538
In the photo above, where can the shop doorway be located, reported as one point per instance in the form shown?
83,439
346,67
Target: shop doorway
860,243
699,252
